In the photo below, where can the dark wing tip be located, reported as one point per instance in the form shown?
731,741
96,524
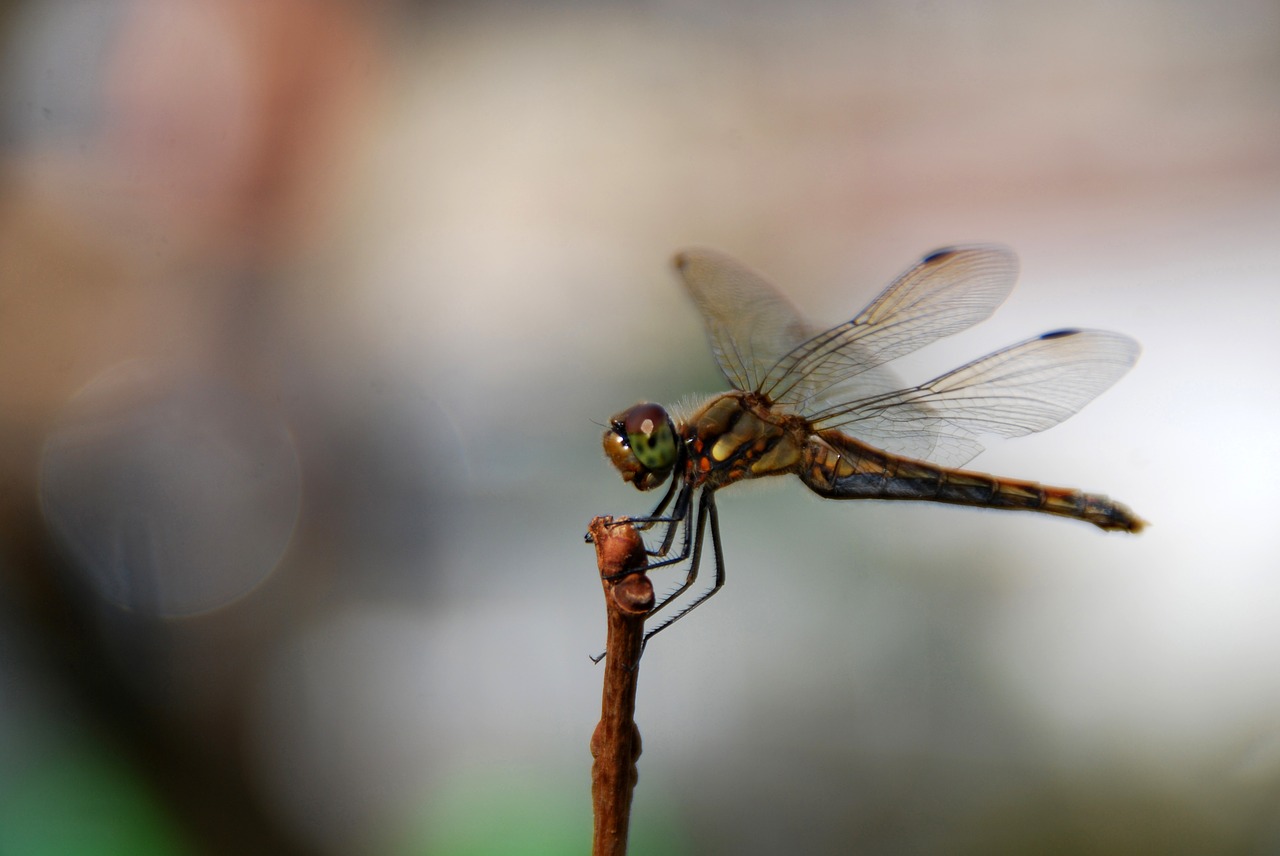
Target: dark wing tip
687,256
938,255
1058,334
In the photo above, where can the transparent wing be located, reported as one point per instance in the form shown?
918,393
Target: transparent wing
749,324
947,291
763,344
1024,388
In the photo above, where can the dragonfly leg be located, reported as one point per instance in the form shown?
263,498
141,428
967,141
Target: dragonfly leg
655,516
692,550
680,514
706,510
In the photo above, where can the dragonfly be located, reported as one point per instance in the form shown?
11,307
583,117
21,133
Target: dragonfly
821,404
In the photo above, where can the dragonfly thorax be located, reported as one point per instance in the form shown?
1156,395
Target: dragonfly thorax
737,436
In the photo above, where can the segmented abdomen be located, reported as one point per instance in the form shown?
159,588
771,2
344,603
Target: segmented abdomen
840,467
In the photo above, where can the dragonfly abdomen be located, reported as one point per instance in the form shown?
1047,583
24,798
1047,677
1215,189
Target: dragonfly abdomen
839,467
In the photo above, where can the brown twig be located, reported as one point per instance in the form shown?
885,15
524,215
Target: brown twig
615,745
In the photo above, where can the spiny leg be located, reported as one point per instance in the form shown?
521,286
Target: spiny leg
680,514
655,516
706,509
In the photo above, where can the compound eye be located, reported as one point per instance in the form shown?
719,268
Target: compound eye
650,435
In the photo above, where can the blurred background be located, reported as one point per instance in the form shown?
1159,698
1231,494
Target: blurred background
309,314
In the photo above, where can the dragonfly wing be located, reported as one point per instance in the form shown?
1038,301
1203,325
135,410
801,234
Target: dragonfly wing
749,324
1019,390
947,291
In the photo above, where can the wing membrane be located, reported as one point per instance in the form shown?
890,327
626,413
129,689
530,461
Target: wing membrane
836,377
749,324
1019,390
762,343
945,292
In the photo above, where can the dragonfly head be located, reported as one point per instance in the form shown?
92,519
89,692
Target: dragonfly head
641,443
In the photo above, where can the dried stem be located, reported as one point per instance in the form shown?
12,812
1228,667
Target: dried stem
615,745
